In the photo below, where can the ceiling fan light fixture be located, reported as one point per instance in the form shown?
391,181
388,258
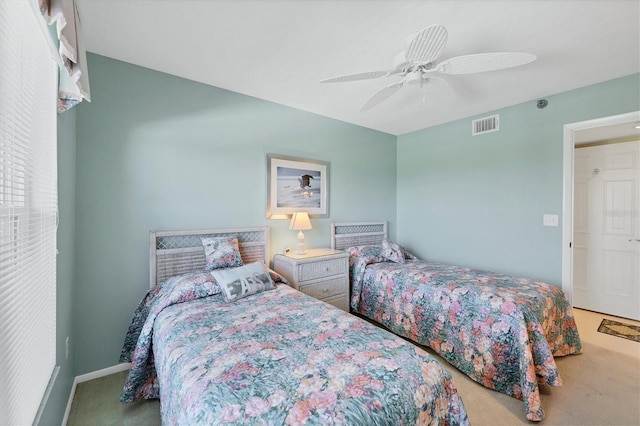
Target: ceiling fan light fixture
415,78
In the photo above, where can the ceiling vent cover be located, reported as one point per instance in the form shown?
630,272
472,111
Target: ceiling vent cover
485,125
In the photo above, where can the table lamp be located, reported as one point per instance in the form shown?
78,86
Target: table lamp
300,221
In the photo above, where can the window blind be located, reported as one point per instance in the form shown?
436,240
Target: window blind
28,212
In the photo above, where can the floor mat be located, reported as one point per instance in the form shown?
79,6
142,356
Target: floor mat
619,329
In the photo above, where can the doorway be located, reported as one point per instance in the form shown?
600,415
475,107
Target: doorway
574,134
606,255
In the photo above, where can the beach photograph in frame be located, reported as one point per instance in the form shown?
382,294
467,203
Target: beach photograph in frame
296,184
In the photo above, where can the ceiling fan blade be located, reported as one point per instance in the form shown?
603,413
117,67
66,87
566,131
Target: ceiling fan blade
382,95
427,45
359,76
482,62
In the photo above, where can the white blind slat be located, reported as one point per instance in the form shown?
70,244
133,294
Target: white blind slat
28,212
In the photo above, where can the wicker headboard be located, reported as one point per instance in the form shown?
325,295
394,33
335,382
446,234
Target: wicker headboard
350,234
174,253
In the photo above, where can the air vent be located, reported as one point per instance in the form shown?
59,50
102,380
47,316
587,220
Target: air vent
485,125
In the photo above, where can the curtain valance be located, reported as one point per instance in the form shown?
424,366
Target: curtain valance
73,82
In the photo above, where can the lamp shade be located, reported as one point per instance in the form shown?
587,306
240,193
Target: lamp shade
300,221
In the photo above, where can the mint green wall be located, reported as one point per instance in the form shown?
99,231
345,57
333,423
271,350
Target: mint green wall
479,201
157,152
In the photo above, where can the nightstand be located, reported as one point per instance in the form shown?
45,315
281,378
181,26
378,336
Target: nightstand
320,273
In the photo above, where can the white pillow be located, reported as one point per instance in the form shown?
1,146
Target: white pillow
243,281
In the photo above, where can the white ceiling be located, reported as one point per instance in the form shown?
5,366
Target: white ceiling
279,50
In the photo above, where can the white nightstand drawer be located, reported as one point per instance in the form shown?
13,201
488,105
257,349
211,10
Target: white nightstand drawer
320,273
325,289
326,268
340,302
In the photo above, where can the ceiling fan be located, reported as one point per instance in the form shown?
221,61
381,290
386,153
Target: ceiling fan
416,65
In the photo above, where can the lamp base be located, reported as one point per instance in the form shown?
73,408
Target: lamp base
300,249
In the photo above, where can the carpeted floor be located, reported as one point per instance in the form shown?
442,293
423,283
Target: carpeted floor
601,387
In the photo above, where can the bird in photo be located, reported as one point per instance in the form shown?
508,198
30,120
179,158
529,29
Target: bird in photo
304,181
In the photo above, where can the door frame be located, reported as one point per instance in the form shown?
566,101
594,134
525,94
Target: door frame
567,188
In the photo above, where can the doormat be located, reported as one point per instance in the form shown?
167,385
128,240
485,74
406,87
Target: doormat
619,329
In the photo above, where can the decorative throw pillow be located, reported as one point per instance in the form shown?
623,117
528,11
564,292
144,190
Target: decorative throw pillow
221,252
243,281
392,251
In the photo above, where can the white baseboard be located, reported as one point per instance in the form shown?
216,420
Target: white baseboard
102,373
90,376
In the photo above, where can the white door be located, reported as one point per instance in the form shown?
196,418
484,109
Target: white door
607,229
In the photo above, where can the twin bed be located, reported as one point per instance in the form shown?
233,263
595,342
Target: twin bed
273,357
268,354
500,330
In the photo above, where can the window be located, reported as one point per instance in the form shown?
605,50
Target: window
28,212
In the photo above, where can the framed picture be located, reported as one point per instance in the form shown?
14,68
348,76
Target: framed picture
296,184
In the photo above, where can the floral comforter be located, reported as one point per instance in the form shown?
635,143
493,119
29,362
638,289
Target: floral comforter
277,357
500,330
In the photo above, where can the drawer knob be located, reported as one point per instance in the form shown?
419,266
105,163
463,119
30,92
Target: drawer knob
326,268
325,290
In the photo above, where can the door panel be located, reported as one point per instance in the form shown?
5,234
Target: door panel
618,202
606,226
618,268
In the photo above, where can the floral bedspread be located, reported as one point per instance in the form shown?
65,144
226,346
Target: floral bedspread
500,330
277,357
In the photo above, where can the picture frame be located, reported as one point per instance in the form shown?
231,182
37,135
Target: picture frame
296,184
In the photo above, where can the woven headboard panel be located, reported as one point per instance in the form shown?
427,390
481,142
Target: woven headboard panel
174,253
350,234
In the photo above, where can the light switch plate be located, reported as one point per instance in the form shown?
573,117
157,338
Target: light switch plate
550,220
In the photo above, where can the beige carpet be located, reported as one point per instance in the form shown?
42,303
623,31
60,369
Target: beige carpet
600,387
